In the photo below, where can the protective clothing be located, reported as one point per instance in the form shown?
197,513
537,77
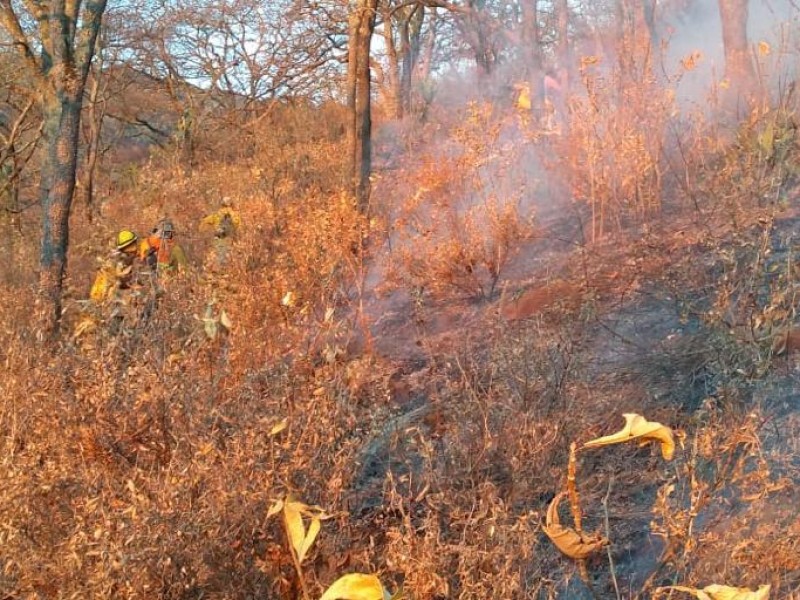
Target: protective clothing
103,283
224,222
115,273
160,250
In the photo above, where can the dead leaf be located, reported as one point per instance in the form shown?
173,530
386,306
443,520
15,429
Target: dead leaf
300,539
639,428
275,508
723,592
356,586
566,539
210,326
311,535
86,325
278,427
293,522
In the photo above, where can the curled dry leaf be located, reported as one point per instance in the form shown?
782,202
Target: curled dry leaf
723,592
639,428
566,539
293,510
311,535
356,586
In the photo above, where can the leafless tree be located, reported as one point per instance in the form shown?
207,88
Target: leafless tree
56,41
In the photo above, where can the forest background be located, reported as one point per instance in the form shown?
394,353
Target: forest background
474,233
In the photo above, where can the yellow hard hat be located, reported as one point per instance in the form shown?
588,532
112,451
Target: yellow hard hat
125,239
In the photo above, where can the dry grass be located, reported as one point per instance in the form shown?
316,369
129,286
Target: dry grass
141,464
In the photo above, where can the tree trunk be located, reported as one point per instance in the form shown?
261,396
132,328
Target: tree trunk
563,49
362,26
532,49
95,128
738,64
363,104
649,10
424,96
352,76
395,93
411,32
62,115
428,47
57,53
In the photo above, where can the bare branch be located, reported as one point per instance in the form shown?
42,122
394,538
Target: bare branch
14,131
10,21
87,37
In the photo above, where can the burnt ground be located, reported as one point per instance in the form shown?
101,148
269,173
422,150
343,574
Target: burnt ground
627,327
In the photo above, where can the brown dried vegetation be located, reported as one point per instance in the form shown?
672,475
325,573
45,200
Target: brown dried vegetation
141,461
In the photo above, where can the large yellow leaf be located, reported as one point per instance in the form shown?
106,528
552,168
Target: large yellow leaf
724,592
566,539
293,521
356,586
639,428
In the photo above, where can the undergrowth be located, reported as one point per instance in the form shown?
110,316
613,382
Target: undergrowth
141,461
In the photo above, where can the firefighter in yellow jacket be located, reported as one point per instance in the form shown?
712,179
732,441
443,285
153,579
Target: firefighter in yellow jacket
224,222
119,271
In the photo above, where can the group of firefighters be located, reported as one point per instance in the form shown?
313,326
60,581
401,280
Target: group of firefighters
135,261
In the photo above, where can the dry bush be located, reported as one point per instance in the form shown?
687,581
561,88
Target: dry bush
140,463
752,170
710,514
615,145
303,270
137,461
466,212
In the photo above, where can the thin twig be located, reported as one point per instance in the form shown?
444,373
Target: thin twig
295,560
575,506
608,537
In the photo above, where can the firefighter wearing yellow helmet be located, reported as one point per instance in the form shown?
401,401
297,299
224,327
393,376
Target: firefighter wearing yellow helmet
117,272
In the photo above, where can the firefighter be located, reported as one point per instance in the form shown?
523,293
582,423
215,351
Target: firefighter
224,222
160,252
119,272
115,293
